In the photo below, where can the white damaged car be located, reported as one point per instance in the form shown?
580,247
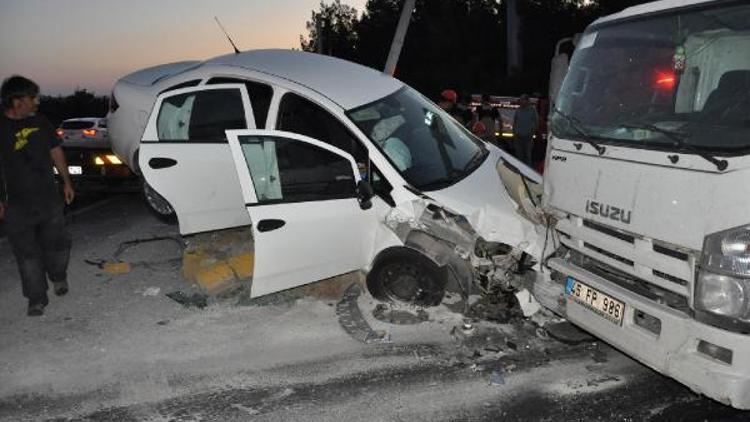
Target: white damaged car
337,166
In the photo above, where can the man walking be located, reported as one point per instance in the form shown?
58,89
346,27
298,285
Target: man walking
29,200
525,124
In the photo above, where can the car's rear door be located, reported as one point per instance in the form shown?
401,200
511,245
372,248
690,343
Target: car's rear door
301,196
185,156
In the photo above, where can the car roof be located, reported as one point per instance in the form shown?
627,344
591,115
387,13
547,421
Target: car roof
345,83
653,7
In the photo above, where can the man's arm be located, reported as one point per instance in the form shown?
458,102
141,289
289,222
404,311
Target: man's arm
58,159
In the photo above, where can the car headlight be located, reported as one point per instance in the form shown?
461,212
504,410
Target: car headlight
723,282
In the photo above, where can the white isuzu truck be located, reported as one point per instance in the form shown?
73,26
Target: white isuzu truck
647,190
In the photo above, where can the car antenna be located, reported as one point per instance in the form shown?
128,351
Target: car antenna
236,50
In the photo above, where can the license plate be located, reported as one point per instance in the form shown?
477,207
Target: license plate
600,303
75,170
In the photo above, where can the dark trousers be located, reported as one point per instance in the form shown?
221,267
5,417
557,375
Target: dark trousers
41,245
524,148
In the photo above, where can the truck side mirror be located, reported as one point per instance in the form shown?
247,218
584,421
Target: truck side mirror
365,194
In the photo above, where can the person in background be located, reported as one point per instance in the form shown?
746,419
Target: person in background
449,103
487,115
525,125
30,203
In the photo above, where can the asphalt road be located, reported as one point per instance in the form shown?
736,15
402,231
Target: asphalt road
83,202
109,352
416,393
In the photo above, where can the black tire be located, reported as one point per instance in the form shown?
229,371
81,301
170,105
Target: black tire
405,275
159,207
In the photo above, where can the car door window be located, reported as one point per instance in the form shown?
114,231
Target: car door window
299,115
288,170
260,97
200,116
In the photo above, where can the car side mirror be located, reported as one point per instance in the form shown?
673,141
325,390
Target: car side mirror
365,194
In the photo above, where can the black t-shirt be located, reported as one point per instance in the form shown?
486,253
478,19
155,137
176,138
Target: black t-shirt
26,178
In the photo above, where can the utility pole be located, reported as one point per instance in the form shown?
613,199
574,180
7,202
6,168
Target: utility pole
398,38
319,28
513,23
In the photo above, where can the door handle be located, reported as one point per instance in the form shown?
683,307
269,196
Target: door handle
268,225
161,162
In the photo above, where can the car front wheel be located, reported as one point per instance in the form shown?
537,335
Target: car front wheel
406,276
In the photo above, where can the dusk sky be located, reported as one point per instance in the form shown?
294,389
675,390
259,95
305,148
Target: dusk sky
67,44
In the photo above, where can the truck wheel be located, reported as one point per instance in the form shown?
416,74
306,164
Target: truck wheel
404,275
158,206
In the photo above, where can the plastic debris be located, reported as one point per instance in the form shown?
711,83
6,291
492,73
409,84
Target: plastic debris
497,378
152,291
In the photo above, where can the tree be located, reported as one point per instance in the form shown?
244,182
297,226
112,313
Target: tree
331,30
459,44
80,104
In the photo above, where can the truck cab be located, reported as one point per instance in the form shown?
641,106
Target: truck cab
647,189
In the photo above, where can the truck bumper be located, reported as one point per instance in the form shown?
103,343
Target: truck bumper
672,350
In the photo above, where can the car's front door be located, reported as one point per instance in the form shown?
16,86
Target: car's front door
301,195
184,154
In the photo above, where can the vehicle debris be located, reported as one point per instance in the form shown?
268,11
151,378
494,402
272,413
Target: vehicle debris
390,315
529,305
198,300
352,321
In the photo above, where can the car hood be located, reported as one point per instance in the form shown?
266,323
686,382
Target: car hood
483,199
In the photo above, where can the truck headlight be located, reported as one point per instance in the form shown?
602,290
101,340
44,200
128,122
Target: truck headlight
723,282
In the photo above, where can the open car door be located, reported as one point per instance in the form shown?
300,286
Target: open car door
301,195
184,154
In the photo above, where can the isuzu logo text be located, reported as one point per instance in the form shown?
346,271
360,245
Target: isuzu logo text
608,211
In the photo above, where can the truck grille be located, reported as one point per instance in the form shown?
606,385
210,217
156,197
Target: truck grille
656,270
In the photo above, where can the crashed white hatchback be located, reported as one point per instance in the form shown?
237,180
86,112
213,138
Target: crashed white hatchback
338,167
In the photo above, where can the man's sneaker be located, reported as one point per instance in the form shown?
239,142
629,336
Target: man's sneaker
61,287
36,309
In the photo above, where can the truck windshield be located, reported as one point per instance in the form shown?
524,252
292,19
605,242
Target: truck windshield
682,76
427,147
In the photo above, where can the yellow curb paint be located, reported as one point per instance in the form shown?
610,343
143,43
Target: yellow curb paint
116,268
192,263
242,265
216,278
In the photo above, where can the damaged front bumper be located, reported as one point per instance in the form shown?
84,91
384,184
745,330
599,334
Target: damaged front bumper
450,241
709,360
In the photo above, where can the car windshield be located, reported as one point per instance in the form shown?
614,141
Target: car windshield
670,81
427,147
